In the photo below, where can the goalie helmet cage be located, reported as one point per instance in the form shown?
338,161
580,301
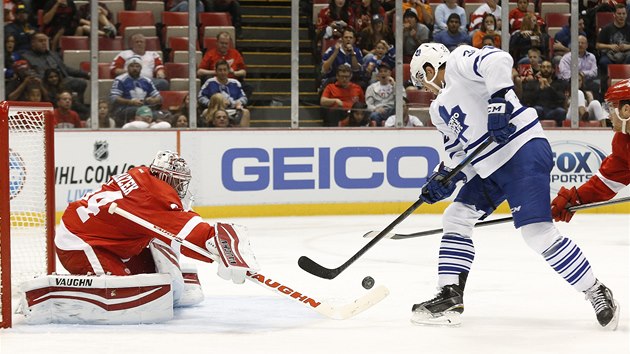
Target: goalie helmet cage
27,203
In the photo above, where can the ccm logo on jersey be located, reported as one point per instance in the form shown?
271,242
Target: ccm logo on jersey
574,163
353,167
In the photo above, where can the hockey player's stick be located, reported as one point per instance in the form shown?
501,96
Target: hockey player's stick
574,208
328,310
318,270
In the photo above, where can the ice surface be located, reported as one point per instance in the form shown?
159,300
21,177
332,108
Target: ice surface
514,302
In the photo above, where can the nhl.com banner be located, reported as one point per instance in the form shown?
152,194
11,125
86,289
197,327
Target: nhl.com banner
270,170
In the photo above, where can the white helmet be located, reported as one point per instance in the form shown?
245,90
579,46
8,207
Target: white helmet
172,169
434,54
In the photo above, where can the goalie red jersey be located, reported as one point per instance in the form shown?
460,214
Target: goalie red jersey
613,175
143,194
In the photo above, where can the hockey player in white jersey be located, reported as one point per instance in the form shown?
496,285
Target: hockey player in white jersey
476,101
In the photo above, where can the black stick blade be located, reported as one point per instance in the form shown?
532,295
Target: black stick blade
316,269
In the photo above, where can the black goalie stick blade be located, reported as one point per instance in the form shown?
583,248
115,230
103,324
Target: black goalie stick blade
317,270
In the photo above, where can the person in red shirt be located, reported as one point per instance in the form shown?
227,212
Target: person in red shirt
91,240
223,51
64,116
339,96
516,16
614,173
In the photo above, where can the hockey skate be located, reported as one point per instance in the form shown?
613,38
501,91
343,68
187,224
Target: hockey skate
443,310
606,308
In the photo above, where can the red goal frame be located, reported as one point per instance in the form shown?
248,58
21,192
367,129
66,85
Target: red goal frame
5,205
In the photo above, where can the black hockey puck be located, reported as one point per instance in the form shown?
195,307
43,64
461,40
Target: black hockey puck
368,282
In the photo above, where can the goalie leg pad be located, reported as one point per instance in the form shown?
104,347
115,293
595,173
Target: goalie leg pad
166,262
105,299
193,294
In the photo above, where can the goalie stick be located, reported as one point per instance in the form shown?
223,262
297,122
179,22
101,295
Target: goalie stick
318,270
371,234
337,312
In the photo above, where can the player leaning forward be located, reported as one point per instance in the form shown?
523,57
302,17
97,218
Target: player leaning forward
475,101
91,241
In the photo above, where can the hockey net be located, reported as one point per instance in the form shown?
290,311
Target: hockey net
27,213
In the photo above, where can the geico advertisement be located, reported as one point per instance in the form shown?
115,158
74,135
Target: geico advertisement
86,160
309,166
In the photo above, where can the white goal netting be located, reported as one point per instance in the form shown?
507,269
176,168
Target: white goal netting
28,197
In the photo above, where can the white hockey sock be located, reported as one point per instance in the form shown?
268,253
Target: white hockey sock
457,253
567,259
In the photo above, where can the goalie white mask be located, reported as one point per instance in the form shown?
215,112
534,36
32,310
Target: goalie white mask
435,54
172,169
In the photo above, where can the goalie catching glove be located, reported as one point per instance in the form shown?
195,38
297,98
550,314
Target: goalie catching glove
231,246
560,205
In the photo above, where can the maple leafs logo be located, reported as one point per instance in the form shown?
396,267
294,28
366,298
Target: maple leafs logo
455,120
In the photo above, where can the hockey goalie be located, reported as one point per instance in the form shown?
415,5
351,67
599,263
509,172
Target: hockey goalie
123,273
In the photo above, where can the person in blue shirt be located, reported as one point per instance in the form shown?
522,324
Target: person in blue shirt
453,36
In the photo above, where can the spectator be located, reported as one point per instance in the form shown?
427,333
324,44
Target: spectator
142,119
223,51
382,53
381,96
231,6
546,95
131,90
10,56
589,109
365,12
161,120
488,41
587,66
479,15
26,80
424,12
408,120
181,121
217,101
20,29
64,116
344,52
41,59
332,20
373,34
220,119
487,28
152,66
184,107
357,117
527,71
105,120
528,36
516,15
613,43
442,13
61,18
339,96
453,36
231,91
105,18
562,39
414,32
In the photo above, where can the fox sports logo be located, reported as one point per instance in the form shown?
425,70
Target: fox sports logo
17,174
574,163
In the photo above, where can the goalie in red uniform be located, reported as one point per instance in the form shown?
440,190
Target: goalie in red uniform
90,240
614,173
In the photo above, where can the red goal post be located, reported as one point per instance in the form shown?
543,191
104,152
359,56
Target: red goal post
27,198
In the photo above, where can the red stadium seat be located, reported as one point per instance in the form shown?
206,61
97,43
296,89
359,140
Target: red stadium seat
106,43
153,43
420,98
215,19
618,72
556,19
103,69
134,18
176,70
74,43
171,100
602,19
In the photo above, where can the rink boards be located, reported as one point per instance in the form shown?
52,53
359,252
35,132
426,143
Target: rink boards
303,172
